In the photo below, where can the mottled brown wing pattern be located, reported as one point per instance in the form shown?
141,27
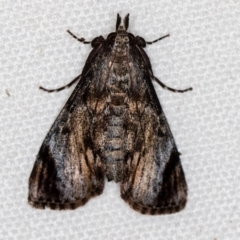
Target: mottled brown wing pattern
68,170
112,125
155,182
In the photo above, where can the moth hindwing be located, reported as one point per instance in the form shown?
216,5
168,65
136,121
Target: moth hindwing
112,125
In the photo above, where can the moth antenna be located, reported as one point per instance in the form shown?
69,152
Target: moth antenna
126,21
119,19
79,39
61,88
171,89
168,35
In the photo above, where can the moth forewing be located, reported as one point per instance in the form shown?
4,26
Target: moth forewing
112,125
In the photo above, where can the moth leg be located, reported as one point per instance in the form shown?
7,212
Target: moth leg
61,88
168,35
79,39
171,89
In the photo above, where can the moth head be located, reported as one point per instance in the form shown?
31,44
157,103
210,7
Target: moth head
121,39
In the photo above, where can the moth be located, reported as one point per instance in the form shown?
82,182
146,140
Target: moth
112,125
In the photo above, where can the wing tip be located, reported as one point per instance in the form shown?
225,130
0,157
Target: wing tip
57,205
154,210
54,205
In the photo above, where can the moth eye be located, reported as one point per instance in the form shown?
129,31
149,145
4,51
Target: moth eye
131,38
140,42
97,41
111,38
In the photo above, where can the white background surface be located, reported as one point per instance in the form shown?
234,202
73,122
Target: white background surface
203,52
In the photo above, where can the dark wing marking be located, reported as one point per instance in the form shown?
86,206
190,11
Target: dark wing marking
68,169
154,182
